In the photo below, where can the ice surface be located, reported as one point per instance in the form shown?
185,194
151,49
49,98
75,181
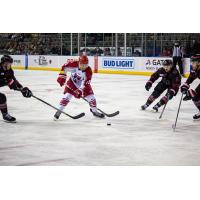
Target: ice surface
135,137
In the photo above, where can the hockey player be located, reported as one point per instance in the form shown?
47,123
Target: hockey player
191,94
7,78
78,84
171,80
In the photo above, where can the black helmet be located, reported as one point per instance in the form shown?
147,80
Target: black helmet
195,58
6,58
167,62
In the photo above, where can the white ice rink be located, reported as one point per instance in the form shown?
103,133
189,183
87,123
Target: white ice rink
135,137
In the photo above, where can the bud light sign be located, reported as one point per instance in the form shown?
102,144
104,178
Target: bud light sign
118,63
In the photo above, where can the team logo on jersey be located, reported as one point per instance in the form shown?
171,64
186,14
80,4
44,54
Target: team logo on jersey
77,77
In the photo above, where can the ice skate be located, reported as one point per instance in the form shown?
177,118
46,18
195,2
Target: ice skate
196,116
57,115
155,108
97,114
143,107
8,118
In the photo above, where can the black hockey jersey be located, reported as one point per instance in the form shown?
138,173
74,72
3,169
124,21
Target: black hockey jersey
172,79
6,76
193,75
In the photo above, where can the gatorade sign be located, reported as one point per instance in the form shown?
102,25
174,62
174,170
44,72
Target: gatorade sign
152,64
118,63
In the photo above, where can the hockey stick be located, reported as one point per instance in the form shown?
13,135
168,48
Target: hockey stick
162,111
73,117
174,125
106,114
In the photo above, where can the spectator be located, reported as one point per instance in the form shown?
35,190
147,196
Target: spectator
119,52
195,47
166,53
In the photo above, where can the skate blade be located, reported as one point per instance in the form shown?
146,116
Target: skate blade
10,122
99,117
154,111
55,119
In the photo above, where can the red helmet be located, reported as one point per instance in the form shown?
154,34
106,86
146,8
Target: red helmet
83,59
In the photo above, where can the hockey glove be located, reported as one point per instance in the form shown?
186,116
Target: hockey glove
148,85
184,88
61,79
78,93
170,94
190,94
26,92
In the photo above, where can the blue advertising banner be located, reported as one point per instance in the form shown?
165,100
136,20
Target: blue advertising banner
118,63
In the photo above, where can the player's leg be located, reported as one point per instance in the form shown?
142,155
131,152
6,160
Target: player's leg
196,100
162,101
4,109
174,61
63,103
195,96
158,90
89,96
180,64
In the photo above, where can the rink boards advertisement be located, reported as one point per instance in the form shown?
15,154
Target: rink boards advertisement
18,61
154,63
126,63
53,63
108,65
134,65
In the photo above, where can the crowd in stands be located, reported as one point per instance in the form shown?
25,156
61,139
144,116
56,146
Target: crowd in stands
27,44
34,44
99,51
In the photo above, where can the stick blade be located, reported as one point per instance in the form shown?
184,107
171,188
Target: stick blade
78,116
111,114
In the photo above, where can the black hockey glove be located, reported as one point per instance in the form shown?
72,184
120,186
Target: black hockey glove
26,92
148,85
170,94
189,95
184,88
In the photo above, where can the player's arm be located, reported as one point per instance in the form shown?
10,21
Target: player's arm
62,75
176,82
192,77
88,78
3,80
185,87
14,84
85,82
152,79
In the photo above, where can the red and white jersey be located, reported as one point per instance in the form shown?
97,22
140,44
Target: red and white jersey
79,78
